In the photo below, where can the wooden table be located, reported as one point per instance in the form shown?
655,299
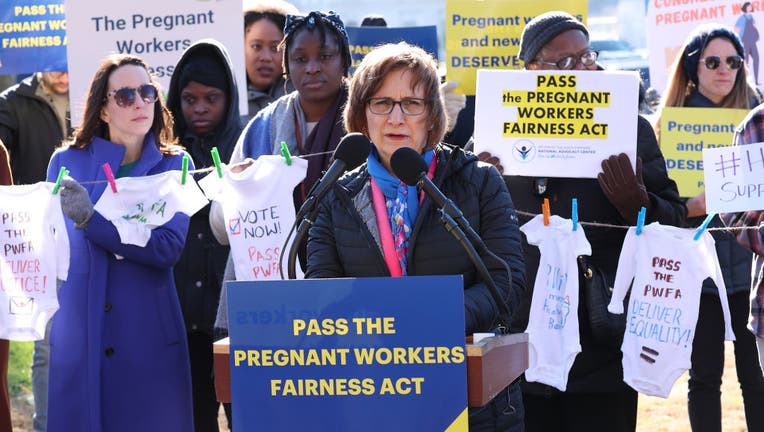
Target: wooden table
492,364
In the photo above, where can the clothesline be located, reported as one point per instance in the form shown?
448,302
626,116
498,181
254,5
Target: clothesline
520,212
209,169
604,225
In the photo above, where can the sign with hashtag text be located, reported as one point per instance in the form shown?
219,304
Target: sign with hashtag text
734,178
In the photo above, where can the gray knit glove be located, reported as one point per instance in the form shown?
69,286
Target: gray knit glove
75,202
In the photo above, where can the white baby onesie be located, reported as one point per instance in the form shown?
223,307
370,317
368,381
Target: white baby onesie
259,210
35,251
144,203
553,337
668,268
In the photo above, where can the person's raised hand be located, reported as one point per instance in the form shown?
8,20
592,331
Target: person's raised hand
623,188
491,159
75,202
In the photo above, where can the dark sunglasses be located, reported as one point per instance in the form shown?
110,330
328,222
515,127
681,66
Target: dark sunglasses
125,97
713,62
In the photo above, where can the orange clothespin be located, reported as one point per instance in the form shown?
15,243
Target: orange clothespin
110,177
546,211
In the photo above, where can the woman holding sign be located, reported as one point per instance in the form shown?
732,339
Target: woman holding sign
119,357
373,224
709,72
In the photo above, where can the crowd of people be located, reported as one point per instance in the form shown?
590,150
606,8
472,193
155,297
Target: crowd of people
94,371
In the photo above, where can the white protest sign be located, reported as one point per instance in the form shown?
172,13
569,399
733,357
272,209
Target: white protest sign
553,123
156,31
734,178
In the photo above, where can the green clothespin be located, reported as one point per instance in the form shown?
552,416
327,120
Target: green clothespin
184,169
216,160
61,173
285,153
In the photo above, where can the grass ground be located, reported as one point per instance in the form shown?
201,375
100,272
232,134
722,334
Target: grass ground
655,414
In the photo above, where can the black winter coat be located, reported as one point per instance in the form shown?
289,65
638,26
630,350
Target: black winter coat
199,272
29,129
598,367
343,242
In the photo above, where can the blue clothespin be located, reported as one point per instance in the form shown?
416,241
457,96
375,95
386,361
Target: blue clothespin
285,153
703,226
574,213
641,220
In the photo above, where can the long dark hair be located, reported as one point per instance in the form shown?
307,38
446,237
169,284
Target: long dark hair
92,125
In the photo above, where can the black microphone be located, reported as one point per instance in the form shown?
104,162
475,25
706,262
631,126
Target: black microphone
351,152
409,166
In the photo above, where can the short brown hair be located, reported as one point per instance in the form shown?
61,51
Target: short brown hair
92,125
371,73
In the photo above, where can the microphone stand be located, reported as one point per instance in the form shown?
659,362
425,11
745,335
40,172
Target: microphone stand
452,227
302,230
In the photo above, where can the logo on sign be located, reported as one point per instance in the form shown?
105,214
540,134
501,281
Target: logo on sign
524,151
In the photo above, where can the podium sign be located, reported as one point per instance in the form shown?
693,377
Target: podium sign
372,354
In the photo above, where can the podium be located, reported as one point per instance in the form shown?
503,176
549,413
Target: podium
492,364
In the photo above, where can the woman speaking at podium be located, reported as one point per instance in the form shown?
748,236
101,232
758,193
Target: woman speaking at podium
371,224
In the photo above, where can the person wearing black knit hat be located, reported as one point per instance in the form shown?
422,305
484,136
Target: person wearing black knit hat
596,397
204,102
542,29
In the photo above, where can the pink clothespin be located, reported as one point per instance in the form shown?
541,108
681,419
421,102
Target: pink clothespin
110,177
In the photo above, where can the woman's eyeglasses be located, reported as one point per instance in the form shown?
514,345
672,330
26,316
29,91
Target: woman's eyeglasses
567,63
125,97
385,105
713,62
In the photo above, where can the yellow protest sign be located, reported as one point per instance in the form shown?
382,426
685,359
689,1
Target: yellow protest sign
685,132
485,34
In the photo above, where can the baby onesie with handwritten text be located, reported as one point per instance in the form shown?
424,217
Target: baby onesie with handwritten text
34,251
553,337
144,203
259,211
668,268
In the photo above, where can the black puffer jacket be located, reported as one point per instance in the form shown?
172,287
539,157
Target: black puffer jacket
344,240
598,367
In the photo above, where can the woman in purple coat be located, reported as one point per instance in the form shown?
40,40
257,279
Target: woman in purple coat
119,359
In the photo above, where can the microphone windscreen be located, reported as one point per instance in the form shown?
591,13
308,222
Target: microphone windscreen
408,165
353,149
